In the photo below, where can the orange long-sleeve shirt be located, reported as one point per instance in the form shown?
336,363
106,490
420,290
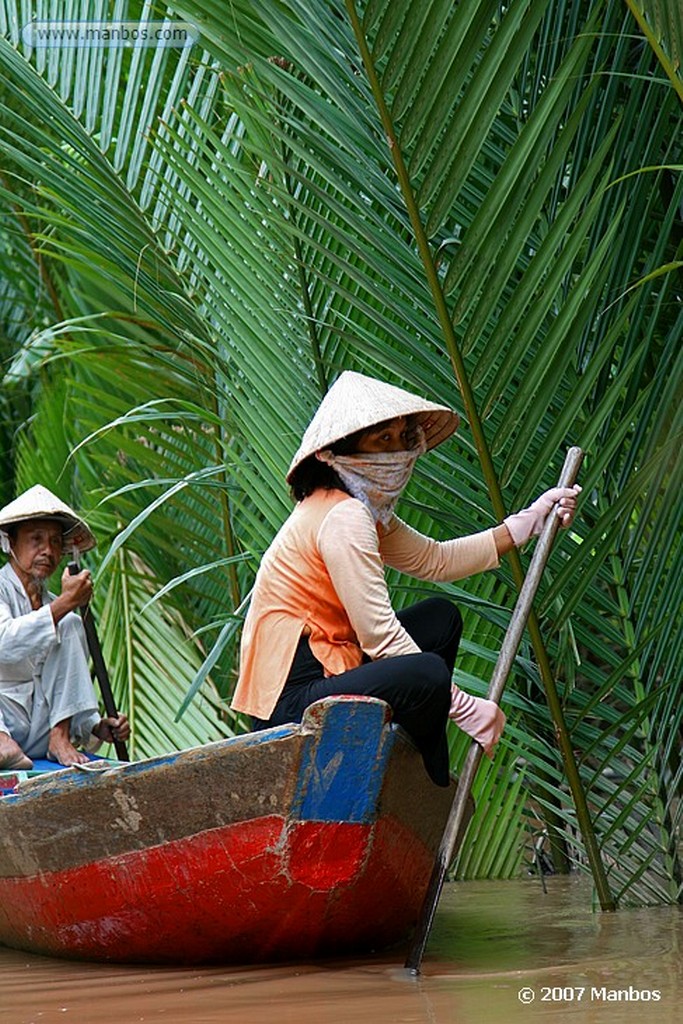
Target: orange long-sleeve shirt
323,575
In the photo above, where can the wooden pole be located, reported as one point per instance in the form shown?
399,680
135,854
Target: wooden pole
99,666
453,832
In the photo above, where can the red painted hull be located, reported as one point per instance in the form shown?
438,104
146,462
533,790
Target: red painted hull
289,884
338,887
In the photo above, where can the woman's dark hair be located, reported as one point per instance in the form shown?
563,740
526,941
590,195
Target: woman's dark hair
312,474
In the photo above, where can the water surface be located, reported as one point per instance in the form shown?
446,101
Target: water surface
500,952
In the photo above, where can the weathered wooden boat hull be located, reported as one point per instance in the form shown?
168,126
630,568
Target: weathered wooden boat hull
300,841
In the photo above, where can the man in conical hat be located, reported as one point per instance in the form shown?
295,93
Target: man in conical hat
320,621
48,705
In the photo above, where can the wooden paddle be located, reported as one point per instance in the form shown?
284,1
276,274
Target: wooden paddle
453,832
99,666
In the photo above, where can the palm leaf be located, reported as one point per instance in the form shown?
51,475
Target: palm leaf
216,276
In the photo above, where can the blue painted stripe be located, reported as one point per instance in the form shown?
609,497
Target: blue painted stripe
342,769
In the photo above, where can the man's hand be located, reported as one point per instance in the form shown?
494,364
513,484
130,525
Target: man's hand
76,591
111,729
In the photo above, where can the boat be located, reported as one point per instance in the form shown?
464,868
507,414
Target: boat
301,841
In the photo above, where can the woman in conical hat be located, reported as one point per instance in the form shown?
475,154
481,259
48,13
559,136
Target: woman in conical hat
321,622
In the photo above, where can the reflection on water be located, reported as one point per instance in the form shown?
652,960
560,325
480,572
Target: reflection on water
500,952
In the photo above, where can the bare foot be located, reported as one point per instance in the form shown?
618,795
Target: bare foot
61,749
65,754
12,757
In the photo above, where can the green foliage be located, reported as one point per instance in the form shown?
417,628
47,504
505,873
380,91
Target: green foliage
439,194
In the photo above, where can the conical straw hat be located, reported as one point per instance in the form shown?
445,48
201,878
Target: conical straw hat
355,402
39,503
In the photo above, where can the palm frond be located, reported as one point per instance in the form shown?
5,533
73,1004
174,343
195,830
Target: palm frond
232,230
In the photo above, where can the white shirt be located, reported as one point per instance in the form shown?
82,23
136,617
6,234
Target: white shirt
25,635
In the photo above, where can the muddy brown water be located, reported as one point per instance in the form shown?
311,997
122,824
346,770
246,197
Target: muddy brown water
499,952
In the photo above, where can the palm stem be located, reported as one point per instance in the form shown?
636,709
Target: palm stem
488,469
129,659
43,271
228,534
303,280
665,61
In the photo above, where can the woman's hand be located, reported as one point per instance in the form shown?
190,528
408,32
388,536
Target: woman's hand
481,719
530,521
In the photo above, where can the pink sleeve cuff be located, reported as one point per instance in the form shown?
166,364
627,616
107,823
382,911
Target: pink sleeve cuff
481,719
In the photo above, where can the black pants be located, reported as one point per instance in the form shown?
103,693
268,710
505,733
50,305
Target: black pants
416,686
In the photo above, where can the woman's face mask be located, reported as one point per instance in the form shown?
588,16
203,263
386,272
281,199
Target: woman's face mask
378,474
